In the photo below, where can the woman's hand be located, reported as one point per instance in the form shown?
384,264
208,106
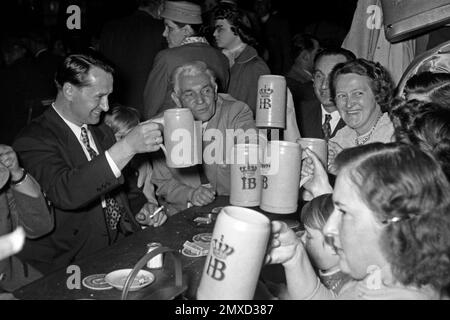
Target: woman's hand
284,246
318,183
333,150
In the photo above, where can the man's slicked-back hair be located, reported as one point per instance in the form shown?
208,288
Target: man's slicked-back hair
334,52
75,69
193,68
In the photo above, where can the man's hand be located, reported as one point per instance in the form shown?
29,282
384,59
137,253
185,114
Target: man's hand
144,216
9,159
202,196
145,137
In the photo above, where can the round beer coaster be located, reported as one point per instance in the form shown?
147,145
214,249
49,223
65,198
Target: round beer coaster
188,253
202,237
216,210
96,282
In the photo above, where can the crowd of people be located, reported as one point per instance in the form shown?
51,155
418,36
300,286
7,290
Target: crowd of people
83,173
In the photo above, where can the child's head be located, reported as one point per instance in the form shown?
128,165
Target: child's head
314,216
122,120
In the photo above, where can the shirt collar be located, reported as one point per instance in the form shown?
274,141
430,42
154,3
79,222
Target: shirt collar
332,114
75,128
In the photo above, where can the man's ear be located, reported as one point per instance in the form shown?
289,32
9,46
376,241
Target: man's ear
68,90
176,100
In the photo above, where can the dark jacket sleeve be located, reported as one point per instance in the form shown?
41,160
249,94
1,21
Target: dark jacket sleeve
68,188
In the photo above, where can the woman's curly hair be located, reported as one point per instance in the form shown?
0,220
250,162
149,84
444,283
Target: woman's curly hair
238,20
380,79
408,193
425,125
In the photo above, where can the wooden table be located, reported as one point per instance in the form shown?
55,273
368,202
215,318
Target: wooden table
126,253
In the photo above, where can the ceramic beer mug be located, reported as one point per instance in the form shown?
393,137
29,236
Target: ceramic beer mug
281,170
182,138
271,102
245,182
236,255
318,146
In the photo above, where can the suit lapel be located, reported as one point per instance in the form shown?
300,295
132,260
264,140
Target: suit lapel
70,143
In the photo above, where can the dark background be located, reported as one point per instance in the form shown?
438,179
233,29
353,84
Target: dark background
331,17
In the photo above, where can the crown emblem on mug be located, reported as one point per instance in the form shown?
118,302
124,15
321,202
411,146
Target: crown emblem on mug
265,92
248,170
221,250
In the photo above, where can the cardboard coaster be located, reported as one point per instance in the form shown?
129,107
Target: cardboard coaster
188,253
202,237
96,282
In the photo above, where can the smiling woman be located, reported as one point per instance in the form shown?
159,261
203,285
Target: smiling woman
362,91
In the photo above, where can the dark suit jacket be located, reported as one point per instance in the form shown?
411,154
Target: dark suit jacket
158,88
132,43
309,119
48,149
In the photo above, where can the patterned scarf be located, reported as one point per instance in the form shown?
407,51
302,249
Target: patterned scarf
188,40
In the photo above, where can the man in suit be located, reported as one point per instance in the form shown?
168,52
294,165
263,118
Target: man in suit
132,43
78,164
318,117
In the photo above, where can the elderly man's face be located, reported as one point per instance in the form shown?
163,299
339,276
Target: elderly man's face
89,102
199,95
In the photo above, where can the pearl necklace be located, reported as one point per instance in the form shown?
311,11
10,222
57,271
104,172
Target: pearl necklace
369,135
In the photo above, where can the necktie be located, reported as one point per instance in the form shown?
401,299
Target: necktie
113,210
326,127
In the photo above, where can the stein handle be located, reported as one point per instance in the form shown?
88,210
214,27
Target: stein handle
142,262
163,148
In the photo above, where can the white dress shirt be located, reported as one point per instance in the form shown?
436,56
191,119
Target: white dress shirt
335,117
77,132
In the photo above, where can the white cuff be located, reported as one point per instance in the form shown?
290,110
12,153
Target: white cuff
113,166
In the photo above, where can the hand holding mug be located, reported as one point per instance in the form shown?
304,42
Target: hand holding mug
333,150
145,137
285,245
318,184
